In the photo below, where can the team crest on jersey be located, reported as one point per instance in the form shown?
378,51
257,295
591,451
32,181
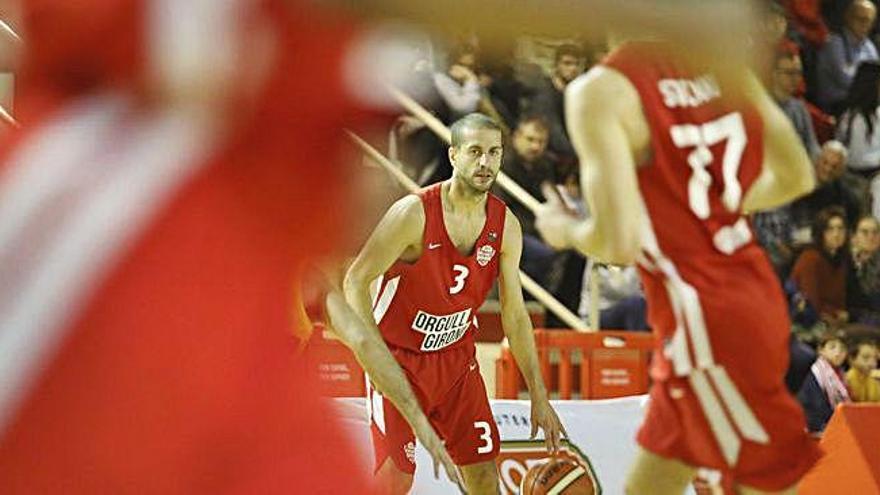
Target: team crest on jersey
485,254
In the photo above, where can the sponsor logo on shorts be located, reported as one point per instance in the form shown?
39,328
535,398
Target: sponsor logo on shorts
485,254
518,456
441,331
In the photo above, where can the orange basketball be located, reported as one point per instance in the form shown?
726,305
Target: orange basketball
559,476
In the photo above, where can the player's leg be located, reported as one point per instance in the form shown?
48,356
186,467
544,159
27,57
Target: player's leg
744,490
658,475
393,445
390,480
465,421
480,478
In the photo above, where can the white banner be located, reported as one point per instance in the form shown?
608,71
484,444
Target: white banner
603,431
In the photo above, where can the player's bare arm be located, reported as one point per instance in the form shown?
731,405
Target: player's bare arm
610,135
518,328
787,172
386,375
398,235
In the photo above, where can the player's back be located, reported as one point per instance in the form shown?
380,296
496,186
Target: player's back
706,151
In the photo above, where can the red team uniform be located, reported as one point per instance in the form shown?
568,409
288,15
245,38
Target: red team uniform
718,399
147,267
426,312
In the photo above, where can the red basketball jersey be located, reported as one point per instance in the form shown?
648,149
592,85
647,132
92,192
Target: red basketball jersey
707,150
718,399
431,304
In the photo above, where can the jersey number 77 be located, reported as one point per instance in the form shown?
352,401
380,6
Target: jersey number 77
728,128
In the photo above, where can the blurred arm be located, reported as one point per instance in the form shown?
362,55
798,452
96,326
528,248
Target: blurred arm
787,171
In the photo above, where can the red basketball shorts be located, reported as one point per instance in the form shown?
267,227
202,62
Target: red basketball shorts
719,400
452,394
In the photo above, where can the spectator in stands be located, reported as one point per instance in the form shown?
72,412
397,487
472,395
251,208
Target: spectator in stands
831,189
820,271
506,92
824,388
459,86
840,57
863,274
787,78
863,386
422,153
528,163
622,304
857,131
548,101
773,228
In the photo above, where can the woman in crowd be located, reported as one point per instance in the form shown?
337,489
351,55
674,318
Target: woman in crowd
820,272
857,130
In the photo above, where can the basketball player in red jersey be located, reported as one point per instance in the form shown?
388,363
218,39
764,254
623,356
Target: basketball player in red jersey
438,254
671,157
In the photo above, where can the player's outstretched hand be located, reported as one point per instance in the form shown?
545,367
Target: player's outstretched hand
554,220
545,417
432,443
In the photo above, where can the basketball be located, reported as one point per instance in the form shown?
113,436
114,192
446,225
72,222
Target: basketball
559,476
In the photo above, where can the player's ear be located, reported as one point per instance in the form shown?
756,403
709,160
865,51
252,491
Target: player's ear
452,150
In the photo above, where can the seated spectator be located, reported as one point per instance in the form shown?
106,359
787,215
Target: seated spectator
863,386
548,101
527,162
820,271
506,92
773,228
831,189
839,58
787,77
863,279
824,388
421,152
857,125
621,301
459,86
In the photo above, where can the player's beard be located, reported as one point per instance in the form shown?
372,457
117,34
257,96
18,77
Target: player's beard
481,185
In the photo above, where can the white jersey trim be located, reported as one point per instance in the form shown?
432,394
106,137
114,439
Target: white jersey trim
69,215
384,299
691,338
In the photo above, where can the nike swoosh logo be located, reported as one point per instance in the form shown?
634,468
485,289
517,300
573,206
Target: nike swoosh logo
473,366
434,246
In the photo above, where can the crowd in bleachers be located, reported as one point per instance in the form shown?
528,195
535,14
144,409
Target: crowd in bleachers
825,247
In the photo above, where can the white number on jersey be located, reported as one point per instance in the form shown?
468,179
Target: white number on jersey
486,437
728,128
461,273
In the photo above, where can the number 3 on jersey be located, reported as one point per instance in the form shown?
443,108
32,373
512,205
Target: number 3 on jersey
461,274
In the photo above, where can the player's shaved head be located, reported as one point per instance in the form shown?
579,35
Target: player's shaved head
471,121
